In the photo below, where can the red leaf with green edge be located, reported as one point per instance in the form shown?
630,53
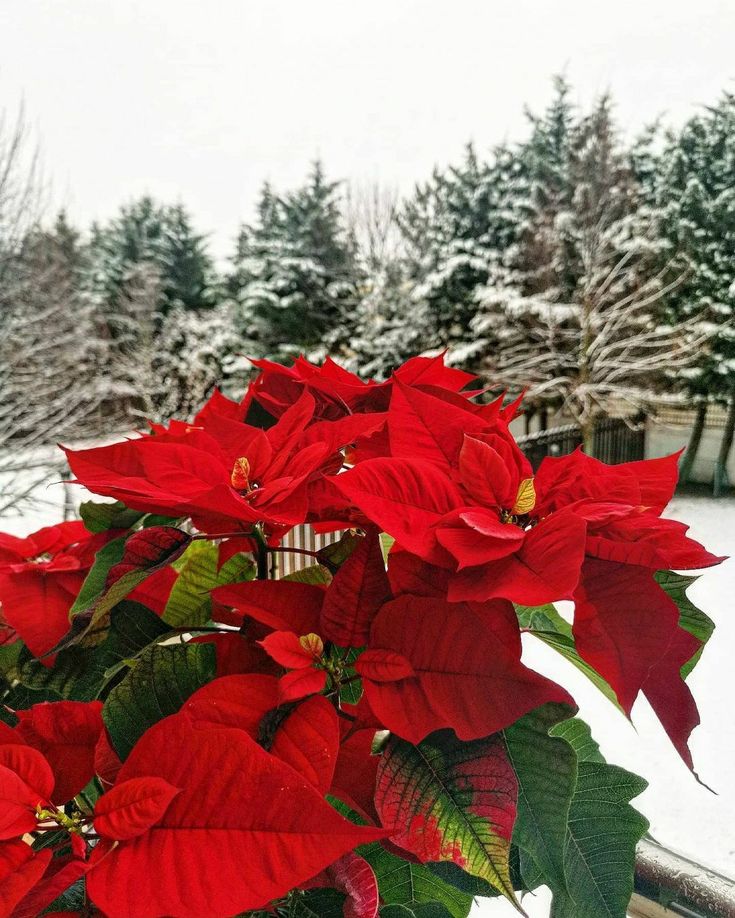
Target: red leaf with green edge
300,683
355,595
66,733
281,604
26,781
446,800
20,869
468,671
352,875
132,807
308,740
145,552
259,830
292,651
384,666
240,701
405,497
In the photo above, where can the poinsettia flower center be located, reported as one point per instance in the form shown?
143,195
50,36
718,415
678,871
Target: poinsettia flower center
520,513
240,477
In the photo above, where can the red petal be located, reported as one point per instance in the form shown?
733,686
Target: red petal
257,811
477,536
20,869
66,732
466,678
545,569
404,497
234,701
308,740
132,807
485,475
300,683
356,593
424,427
384,666
36,604
286,648
281,604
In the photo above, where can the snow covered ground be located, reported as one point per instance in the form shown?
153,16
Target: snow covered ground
683,814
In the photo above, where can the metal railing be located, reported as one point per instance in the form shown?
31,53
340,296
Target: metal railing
669,884
616,440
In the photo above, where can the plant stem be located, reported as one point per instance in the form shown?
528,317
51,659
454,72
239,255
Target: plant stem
261,554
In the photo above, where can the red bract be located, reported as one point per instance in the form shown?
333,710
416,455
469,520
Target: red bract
40,577
625,625
26,782
66,732
225,474
339,392
257,853
462,669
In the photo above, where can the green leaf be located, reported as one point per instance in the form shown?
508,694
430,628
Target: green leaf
430,910
80,673
158,684
94,583
189,603
454,875
316,574
413,885
350,693
386,543
336,553
73,900
691,618
578,735
545,623
451,800
546,769
101,516
599,854
9,656
144,553
316,903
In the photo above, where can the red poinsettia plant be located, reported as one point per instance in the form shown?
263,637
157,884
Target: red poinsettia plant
185,733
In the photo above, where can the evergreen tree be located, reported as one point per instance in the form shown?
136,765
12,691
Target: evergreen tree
696,195
458,228
162,236
583,302
295,274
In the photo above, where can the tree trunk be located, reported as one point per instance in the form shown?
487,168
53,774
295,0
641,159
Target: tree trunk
543,418
588,436
721,482
695,439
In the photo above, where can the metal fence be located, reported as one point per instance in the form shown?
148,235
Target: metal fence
616,440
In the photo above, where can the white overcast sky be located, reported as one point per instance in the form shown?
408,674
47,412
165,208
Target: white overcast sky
201,101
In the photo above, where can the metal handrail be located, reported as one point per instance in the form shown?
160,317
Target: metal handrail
668,884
